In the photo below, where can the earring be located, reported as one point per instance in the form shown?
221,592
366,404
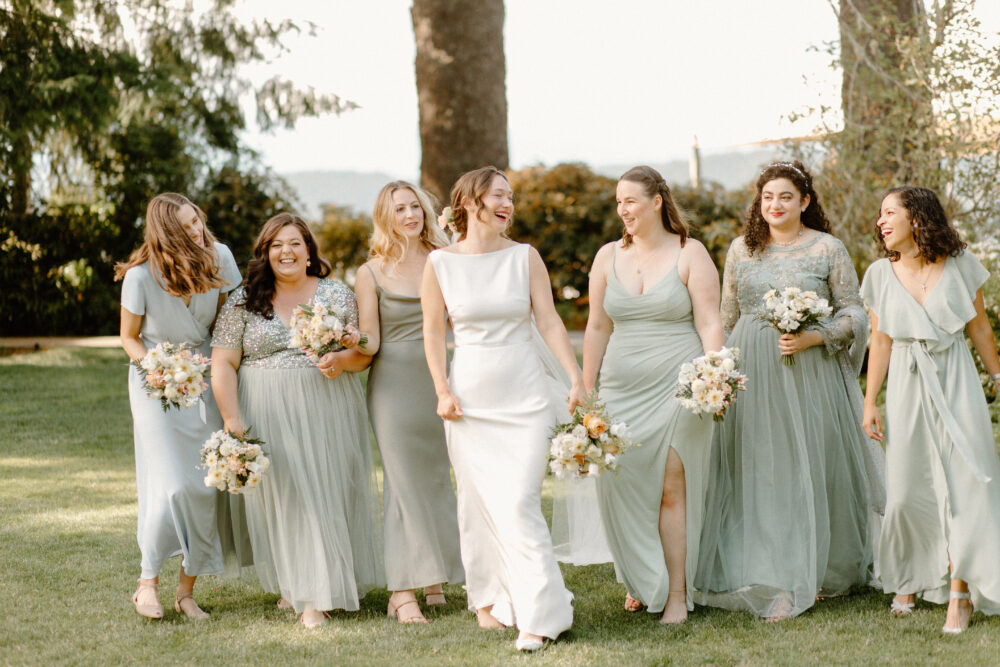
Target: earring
309,262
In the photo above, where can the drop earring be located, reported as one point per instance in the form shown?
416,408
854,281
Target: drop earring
309,262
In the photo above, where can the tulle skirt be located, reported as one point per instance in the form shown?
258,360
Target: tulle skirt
313,521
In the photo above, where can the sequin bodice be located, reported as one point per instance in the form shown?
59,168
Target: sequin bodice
264,342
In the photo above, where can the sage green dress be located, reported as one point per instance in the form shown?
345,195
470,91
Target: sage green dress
653,335
793,489
421,517
943,478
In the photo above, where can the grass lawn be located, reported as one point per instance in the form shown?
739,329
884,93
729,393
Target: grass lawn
69,563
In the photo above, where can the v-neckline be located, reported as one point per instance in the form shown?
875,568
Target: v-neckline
673,269
929,294
312,299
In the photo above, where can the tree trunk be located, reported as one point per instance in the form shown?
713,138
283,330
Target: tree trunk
875,77
461,88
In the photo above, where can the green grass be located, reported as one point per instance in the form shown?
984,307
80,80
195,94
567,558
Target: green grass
69,563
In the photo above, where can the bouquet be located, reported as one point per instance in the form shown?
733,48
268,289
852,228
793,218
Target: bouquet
174,374
791,310
234,464
589,444
710,382
317,330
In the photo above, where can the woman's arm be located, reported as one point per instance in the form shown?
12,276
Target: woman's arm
599,325
131,325
702,280
981,334
225,364
368,321
435,345
879,350
551,327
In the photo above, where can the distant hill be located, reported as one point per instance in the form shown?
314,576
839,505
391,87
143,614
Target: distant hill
353,189
733,168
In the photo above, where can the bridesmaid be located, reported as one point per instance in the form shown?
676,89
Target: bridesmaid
172,288
496,406
421,525
654,305
312,521
789,507
941,537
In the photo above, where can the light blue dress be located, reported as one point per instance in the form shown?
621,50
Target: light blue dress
943,470
177,512
790,501
314,519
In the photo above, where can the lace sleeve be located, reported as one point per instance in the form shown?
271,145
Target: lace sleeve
849,320
730,307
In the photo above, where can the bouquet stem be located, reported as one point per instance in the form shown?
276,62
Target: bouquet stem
788,359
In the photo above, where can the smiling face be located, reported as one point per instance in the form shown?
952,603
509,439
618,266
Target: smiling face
192,224
288,254
637,210
498,205
409,213
781,203
894,224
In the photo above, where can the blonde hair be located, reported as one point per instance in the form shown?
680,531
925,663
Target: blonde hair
387,243
178,264
470,188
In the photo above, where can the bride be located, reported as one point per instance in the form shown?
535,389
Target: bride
496,407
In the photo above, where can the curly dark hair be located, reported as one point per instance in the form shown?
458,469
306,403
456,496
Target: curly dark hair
260,278
653,184
756,232
933,234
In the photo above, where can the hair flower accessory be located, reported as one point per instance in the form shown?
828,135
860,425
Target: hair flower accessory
447,219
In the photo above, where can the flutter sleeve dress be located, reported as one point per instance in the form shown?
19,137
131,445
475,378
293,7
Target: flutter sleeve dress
177,512
313,520
943,477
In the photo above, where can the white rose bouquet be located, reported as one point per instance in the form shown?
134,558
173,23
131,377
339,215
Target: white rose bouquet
317,330
589,444
710,383
234,464
174,374
791,311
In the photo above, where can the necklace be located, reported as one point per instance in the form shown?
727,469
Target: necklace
640,262
922,276
785,244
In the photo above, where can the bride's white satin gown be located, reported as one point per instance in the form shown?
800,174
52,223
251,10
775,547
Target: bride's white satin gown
499,447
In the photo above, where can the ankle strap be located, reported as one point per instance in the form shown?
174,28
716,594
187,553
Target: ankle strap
955,595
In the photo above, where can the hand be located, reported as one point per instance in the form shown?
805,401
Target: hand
448,406
577,396
872,423
792,343
351,337
234,426
328,365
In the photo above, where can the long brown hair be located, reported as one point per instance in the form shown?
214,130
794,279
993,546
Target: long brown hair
933,234
756,232
178,264
653,184
260,277
470,188
387,243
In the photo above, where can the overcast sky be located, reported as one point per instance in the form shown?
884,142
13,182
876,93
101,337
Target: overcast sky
596,81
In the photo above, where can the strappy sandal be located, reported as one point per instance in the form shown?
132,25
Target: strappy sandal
955,595
898,608
434,598
197,613
393,612
148,610
631,604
